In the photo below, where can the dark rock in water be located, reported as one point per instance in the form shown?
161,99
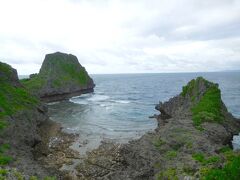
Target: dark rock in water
193,128
60,77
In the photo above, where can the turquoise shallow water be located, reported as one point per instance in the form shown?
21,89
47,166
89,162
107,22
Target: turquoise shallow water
121,104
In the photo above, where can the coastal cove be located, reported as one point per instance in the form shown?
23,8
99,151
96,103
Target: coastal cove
108,134
120,106
120,90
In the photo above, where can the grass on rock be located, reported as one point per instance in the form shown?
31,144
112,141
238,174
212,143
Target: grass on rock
208,108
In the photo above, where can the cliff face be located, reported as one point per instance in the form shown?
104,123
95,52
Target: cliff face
60,77
192,141
20,116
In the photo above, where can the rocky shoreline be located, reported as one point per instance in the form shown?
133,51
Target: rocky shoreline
31,145
176,150
65,96
192,140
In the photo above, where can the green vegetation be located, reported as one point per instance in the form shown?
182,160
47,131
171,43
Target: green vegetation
33,178
60,70
208,109
225,149
18,175
50,178
4,159
3,172
34,84
170,174
158,143
13,99
230,171
72,73
188,89
4,147
225,165
3,123
205,161
199,157
171,154
189,145
6,70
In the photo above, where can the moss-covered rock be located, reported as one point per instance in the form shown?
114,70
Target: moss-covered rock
20,115
13,97
206,101
60,77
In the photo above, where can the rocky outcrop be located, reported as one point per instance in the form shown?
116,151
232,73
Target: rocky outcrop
60,77
20,116
194,131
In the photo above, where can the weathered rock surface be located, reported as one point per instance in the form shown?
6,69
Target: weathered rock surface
167,153
20,116
60,77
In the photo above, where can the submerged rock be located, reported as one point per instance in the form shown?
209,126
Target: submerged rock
60,77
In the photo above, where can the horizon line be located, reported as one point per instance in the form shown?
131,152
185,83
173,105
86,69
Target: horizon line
238,70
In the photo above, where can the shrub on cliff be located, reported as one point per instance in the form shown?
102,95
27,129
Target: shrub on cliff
13,97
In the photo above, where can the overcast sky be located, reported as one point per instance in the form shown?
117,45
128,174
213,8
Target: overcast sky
123,36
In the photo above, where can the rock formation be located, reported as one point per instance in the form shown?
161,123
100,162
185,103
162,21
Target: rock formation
60,77
20,116
192,141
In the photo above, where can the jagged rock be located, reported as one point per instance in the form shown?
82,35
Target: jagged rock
8,75
60,77
21,116
168,152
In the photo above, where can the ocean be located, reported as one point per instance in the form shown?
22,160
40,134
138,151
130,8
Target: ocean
120,107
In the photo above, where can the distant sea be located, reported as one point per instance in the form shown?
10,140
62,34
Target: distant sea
120,107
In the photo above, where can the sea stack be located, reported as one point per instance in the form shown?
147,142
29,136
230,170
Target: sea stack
60,77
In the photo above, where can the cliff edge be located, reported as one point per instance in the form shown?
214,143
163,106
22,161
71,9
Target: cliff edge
192,141
60,77
20,116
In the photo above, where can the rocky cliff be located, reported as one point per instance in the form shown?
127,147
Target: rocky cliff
60,77
20,116
192,141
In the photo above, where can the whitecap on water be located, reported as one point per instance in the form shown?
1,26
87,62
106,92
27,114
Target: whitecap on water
122,101
52,103
97,97
103,105
79,101
236,142
90,98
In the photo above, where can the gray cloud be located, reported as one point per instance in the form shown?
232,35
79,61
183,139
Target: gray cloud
120,36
